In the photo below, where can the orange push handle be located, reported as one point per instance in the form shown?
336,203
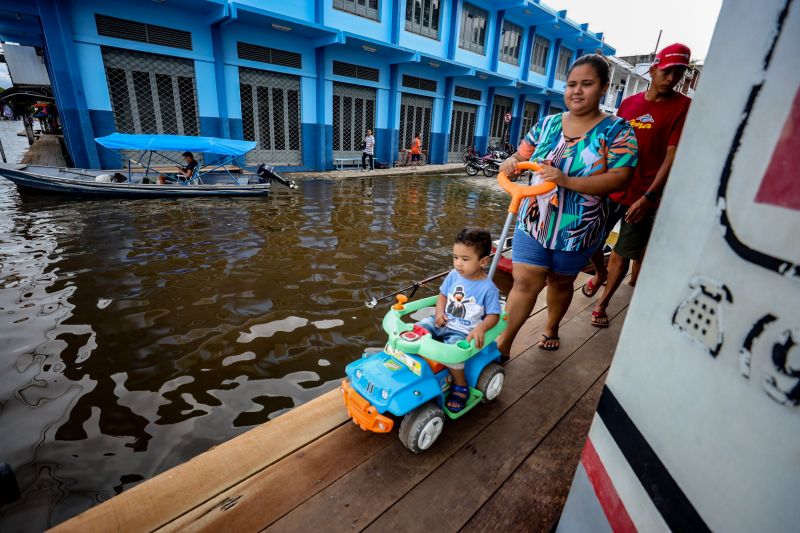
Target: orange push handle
518,192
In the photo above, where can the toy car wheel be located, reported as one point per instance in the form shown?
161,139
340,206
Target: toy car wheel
421,427
490,382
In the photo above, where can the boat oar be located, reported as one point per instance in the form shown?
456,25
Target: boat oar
517,192
269,173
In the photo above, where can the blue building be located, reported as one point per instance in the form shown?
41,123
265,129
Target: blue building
304,79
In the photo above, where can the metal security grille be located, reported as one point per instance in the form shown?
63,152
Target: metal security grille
151,94
529,117
353,115
462,130
499,128
415,117
271,116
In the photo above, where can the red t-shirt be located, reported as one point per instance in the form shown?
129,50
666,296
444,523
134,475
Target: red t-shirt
657,126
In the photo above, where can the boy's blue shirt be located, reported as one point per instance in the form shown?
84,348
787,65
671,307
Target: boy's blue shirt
468,301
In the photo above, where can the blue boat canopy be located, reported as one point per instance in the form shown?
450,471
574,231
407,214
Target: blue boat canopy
179,143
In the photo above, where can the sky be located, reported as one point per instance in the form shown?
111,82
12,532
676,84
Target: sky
631,26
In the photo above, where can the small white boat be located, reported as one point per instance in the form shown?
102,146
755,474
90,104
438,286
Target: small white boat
223,178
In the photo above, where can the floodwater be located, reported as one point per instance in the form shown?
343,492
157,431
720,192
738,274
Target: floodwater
137,334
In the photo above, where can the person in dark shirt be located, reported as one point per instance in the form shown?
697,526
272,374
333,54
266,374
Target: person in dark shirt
186,173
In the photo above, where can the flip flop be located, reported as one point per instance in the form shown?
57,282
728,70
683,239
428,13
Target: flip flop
542,343
596,316
590,289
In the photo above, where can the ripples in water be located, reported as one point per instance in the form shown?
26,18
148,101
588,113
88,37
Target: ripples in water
137,334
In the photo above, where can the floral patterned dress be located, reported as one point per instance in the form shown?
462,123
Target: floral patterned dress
567,220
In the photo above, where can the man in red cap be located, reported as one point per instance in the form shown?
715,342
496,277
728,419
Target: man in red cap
657,116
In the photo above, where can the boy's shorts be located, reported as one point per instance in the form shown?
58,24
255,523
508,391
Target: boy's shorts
415,157
633,238
526,249
443,334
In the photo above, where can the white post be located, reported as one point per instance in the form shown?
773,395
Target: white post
610,91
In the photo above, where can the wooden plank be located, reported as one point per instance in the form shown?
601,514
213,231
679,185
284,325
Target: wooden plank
171,494
364,493
45,151
451,494
535,494
271,493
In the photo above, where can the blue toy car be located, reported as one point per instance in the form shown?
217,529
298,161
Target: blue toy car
408,378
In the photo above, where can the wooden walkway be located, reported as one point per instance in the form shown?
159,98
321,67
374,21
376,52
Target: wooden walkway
46,151
506,466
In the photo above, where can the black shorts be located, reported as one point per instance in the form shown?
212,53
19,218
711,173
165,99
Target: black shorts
415,157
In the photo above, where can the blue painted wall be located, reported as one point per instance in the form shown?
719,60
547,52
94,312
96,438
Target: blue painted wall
321,34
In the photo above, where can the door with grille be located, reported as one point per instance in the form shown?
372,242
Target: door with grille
498,130
415,117
353,115
529,117
271,116
151,94
462,130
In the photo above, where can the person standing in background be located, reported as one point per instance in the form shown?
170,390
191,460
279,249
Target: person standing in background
368,151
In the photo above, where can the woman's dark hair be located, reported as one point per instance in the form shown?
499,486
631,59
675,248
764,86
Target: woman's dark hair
187,154
478,239
596,61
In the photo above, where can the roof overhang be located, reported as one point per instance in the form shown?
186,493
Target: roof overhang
319,34
445,66
493,79
389,52
532,13
525,87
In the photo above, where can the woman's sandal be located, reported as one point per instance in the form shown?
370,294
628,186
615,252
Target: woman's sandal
456,398
545,339
590,289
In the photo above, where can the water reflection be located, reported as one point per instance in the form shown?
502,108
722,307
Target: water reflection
137,334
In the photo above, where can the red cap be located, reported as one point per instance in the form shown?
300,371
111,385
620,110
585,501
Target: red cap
673,55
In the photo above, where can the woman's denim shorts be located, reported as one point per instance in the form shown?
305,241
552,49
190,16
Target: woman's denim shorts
526,249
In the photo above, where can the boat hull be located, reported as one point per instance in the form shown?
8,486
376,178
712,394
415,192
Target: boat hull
80,187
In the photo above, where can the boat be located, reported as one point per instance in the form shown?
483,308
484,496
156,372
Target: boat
141,179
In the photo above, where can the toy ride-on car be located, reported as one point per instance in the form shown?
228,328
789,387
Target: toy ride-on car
408,378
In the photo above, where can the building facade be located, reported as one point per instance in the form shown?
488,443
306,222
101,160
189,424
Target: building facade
303,79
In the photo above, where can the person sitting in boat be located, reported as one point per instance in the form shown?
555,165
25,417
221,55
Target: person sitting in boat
468,289
184,173
187,172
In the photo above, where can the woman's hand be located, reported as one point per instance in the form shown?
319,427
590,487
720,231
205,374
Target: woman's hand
550,173
509,166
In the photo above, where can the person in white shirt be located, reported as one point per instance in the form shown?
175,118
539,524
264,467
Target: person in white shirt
368,151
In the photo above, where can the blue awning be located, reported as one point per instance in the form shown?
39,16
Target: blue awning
179,143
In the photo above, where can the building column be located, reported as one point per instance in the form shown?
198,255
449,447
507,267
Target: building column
440,157
610,92
516,121
73,111
498,41
526,58
626,92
